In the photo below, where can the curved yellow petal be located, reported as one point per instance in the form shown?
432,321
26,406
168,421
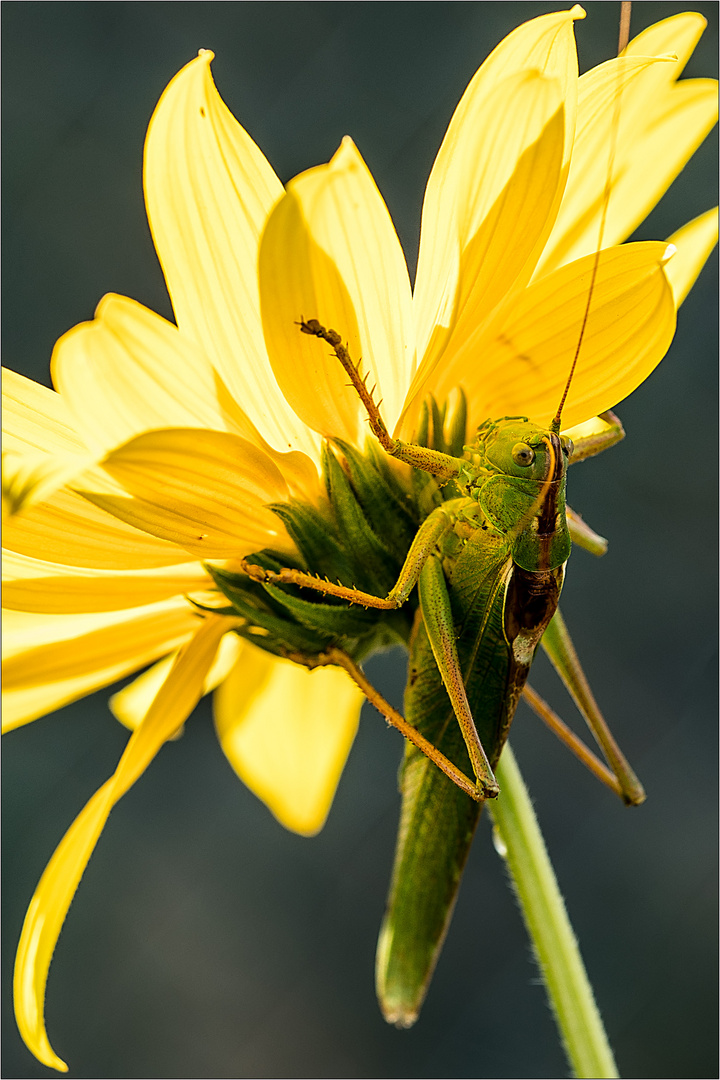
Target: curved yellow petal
41,448
513,180
68,529
348,219
544,46
203,490
53,896
633,109
209,190
29,479
130,371
36,418
678,34
52,660
526,357
130,704
299,280
40,586
287,732
693,244
65,527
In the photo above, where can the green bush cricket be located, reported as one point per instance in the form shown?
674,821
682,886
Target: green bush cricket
488,557
489,561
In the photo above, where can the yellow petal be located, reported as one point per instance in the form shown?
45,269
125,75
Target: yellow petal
678,34
298,280
208,190
346,218
544,45
522,365
130,371
40,586
287,732
41,449
203,490
29,479
633,110
131,703
35,418
693,242
55,659
57,886
68,529
513,179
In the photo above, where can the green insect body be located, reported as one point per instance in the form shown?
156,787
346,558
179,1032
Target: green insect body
504,589
484,533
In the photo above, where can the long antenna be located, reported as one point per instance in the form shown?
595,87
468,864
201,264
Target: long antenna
623,38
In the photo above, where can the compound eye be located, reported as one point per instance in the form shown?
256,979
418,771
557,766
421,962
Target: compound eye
568,447
522,454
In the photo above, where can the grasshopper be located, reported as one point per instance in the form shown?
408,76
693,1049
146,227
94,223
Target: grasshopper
488,561
488,558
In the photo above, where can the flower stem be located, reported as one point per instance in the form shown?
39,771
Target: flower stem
523,848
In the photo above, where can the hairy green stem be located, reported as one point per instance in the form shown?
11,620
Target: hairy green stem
543,908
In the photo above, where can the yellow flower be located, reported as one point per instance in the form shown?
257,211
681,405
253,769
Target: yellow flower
164,445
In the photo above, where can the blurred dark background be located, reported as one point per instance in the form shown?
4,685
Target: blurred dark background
205,941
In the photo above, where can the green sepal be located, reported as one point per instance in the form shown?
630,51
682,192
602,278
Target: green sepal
268,644
437,415
457,426
246,602
315,537
335,620
383,504
426,494
423,429
373,567
207,609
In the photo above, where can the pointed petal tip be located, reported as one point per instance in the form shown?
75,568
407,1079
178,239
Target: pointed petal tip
54,1062
347,153
577,12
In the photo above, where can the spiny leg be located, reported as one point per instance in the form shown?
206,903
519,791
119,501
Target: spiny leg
432,530
289,576
559,647
438,464
341,659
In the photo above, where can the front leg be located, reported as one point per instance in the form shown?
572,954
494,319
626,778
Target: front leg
444,466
